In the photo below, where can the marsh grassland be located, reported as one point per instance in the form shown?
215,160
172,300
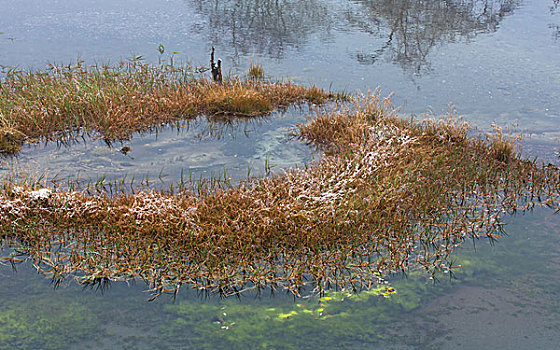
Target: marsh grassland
389,195
115,101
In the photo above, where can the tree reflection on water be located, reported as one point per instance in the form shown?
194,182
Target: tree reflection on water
411,28
402,31
555,27
263,26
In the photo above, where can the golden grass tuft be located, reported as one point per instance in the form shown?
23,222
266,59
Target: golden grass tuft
256,71
237,99
391,195
502,148
10,137
116,101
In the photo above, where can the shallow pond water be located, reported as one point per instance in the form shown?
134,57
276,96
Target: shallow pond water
187,152
506,296
495,61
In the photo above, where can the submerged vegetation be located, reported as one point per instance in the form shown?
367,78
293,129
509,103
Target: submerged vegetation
42,318
115,101
389,195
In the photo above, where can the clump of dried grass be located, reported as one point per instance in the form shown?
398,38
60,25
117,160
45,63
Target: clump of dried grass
116,101
390,195
256,71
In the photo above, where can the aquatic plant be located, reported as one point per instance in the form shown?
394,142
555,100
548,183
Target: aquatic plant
377,318
116,101
390,195
281,326
256,71
50,324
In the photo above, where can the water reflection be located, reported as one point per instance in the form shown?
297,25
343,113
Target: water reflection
229,150
401,31
555,27
493,302
262,26
412,28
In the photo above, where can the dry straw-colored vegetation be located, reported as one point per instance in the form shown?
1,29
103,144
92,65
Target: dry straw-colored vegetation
389,195
256,71
115,101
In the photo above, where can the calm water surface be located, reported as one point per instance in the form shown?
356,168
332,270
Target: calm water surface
494,61
187,152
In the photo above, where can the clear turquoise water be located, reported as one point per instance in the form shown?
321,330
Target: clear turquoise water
495,61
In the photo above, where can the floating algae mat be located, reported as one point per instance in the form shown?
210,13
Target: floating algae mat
389,195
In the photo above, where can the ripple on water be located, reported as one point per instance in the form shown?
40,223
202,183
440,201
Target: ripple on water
193,149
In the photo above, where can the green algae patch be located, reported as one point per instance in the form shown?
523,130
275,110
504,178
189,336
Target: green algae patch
287,326
44,324
348,320
344,318
389,195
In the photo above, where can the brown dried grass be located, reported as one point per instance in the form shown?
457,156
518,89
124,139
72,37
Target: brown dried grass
390,195
115,102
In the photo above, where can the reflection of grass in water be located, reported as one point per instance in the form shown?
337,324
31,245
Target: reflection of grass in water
525,263
344,320
517,277
341,319
527,249
58,319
